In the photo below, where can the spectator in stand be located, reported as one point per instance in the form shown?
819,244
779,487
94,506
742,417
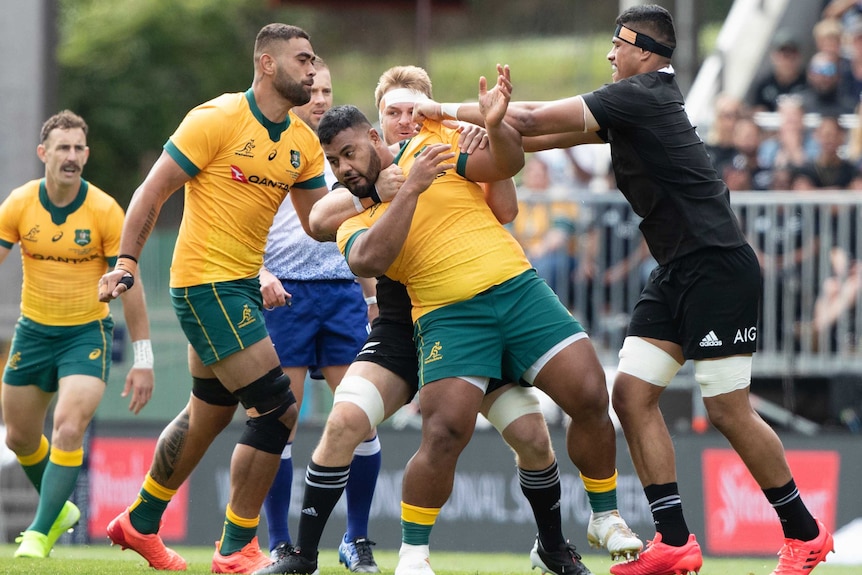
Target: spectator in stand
792,144
719,142
845,10
829,170
822,95
853,150
747,138
786,74
828,36
850,73
546,227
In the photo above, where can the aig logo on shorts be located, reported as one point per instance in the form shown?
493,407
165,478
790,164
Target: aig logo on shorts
746,335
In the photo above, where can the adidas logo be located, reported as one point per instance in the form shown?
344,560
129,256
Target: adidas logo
310,511
710,340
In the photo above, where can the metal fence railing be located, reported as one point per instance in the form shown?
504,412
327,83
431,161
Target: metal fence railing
809,250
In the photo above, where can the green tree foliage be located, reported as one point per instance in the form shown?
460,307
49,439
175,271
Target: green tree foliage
133,69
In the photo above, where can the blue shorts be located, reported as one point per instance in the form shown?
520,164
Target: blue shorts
323,325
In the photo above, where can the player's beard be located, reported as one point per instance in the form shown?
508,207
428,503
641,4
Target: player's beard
296,92
371,174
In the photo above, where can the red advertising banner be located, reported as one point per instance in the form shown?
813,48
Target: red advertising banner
117,470
738,518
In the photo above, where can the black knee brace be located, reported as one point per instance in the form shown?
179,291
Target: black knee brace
211,391
265,400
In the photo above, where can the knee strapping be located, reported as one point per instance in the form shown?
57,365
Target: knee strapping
647,362
719,376
363,394
265,401
512,404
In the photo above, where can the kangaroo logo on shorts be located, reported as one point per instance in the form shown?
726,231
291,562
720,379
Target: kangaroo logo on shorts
294,158
96,354
434,354
14,360
247,318
82,237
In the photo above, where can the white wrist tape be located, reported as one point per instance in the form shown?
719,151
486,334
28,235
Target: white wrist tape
143,349
358,205
450,111
371,300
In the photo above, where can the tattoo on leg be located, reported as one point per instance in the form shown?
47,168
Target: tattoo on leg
170,447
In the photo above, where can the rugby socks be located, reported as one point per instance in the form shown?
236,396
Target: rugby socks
796,520
602,493
61,474
416,524
543,492
666,506
146,512
276,506
364,470
323,488
34,464
238,532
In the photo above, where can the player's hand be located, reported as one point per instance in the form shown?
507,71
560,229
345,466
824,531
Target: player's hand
431,162
114,284
427,109
271,289
140,382
494,102
389,181
472,137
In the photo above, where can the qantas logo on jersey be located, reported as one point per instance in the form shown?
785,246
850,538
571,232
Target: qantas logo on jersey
237,174
44,258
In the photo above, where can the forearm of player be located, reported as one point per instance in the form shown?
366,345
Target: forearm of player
333,210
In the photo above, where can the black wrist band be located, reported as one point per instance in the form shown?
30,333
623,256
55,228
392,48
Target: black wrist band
375,197
128,257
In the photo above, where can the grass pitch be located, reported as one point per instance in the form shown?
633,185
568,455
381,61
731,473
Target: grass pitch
106,560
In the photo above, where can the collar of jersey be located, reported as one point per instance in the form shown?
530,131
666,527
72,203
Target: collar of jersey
275,129
59,215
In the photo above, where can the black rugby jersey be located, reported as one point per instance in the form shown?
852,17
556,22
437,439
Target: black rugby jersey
393,301
662,167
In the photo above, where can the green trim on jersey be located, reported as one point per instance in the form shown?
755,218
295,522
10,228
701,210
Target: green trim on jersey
350,244
7,245
59,215
312,184
180,158
275,129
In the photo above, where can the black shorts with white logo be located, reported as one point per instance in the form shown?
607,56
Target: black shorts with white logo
390,345
707,302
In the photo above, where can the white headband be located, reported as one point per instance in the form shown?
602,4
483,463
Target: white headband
400,96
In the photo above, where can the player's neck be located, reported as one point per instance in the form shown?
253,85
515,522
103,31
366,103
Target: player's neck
270,103
62,194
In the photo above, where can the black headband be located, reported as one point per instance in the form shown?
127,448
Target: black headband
641,40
